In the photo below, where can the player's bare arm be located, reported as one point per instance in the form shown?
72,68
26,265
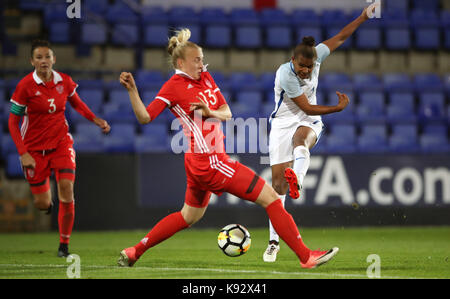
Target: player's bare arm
102,124
348,30
302,103
127,80
222,114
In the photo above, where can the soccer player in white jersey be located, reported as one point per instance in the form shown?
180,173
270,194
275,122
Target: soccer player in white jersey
296,124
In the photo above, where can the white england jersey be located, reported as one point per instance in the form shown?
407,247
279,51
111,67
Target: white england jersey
288,86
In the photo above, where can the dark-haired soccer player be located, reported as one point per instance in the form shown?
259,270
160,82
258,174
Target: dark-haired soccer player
43,140
296,124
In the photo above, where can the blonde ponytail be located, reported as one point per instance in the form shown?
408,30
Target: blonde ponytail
177,45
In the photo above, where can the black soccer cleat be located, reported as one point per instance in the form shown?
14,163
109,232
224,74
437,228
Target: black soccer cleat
63,250
49,210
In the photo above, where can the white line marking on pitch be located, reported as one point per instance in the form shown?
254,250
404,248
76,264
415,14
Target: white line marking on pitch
340,275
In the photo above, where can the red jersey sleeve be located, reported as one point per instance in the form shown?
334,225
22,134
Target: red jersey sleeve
220,98
70,85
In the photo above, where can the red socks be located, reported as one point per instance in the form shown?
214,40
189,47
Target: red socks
164,229
66,215
287,229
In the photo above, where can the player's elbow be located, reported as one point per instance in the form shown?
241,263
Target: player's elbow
144,119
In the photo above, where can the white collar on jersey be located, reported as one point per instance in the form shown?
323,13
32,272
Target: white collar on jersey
181,73
56,78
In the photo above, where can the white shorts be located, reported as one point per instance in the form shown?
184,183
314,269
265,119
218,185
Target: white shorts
281,147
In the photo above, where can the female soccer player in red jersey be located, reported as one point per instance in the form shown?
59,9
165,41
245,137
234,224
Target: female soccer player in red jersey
209,169
43,141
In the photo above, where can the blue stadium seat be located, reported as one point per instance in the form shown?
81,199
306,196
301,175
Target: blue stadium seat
309,30
397,82
98,6
119,96
32,5
404,139
342,139
434,138
279,36
427,38
186,17
156,35
214,16
267,109
402,5
154,138
125,34
431,107
367,82
447,38
248,36
119,112
153,15
373,139
120,139
429,82
304,17
267,80
13,166
8,146
368,38
244,16
148,79
218,36
397,38
429,5
251,98
274,17
92,97
333,82
90,83
93,33
401,108
59,32
242,110
88,138
244,81
371,107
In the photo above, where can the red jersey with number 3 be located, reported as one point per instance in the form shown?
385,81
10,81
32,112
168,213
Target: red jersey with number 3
44,123
205,135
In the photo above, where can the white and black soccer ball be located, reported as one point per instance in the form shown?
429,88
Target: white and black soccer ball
234,240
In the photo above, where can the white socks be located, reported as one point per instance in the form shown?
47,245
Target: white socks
301,162
273,234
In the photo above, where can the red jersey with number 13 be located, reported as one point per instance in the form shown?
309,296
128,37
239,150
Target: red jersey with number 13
205,135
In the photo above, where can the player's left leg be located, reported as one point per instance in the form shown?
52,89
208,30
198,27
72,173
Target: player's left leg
62,162
196,202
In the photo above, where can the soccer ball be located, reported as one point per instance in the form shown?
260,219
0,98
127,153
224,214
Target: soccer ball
234,240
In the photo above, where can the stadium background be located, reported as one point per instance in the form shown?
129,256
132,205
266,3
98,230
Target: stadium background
383,161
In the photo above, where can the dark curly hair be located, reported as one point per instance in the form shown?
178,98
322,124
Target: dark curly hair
38,43
306,48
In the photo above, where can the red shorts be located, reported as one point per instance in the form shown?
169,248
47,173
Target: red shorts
218,173
60,160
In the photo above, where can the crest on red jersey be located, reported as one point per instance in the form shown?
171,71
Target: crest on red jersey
208,83
60,89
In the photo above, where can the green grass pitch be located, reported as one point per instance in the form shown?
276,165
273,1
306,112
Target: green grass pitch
410,252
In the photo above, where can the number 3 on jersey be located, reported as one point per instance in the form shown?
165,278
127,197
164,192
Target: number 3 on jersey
212,97
52,105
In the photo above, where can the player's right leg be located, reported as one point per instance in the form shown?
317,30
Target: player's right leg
196,202
281,186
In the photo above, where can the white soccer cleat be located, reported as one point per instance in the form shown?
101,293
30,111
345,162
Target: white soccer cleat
270,255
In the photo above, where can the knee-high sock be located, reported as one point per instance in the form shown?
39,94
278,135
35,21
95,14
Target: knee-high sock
66,216
301,162
287,229
273,236
163,230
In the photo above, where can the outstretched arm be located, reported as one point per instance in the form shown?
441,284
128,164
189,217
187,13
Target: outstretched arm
302,103
337,40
